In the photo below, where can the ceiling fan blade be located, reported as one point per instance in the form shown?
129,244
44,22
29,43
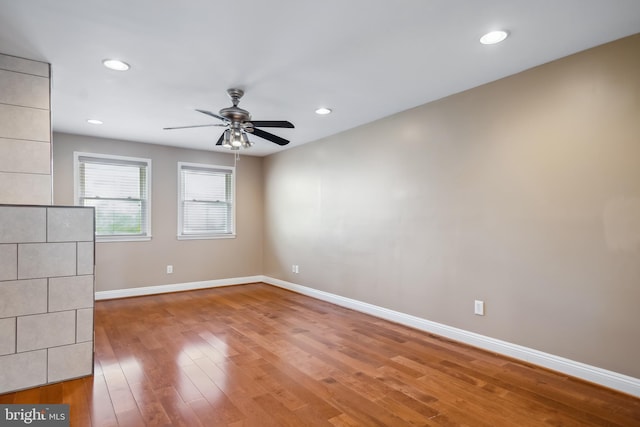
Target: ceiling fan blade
270,137
209,113
194,126
220,140
272,124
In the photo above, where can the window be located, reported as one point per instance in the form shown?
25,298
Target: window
118,188
205,201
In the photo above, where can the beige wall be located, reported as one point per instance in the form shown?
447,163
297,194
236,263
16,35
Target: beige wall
121,265
524,193
25,132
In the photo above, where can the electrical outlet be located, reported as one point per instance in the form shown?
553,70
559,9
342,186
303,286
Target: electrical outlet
295,268
169,269
478,308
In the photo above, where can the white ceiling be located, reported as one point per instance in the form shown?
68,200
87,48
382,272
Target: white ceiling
364,59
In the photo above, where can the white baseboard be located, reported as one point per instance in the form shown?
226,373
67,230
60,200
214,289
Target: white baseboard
614,380
178,287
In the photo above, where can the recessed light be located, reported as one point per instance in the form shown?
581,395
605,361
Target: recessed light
323,111
494,37
116,65
94,121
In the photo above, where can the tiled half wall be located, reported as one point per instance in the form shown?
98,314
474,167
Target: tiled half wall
46,294
25,131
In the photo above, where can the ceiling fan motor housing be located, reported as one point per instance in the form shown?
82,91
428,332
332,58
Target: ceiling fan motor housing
235,113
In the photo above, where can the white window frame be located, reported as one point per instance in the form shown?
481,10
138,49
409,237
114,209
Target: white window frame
146,235
230,235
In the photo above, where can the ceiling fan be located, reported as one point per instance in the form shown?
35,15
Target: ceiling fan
238,123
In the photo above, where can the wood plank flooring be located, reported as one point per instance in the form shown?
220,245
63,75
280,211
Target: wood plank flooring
259,356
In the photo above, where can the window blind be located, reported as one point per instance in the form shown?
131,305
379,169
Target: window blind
118,189
206,201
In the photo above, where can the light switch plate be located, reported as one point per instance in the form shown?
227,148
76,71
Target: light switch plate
478,308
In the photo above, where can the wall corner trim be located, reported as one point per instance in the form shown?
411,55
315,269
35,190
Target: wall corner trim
610,379
603,377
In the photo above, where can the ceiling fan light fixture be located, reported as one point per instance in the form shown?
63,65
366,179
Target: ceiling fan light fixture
323,111
226,141
494,37
245,140
236,139
116,65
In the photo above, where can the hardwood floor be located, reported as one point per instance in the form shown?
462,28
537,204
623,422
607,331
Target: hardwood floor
255,355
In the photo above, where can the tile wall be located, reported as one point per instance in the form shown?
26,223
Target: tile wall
25,131
46,294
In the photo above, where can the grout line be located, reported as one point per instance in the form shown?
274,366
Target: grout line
25,173
26,139
24,106
17,263
24,72
15,341
75,322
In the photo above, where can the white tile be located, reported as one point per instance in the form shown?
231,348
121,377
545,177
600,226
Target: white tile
25,188
23,297
46,330
23,370
69,224
85,258
84,325
37,260
25,156
71,361
20,224
24,89
22,65
70,293
8,262
7,336
24,123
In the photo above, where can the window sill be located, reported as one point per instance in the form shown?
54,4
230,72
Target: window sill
206,237
109,239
